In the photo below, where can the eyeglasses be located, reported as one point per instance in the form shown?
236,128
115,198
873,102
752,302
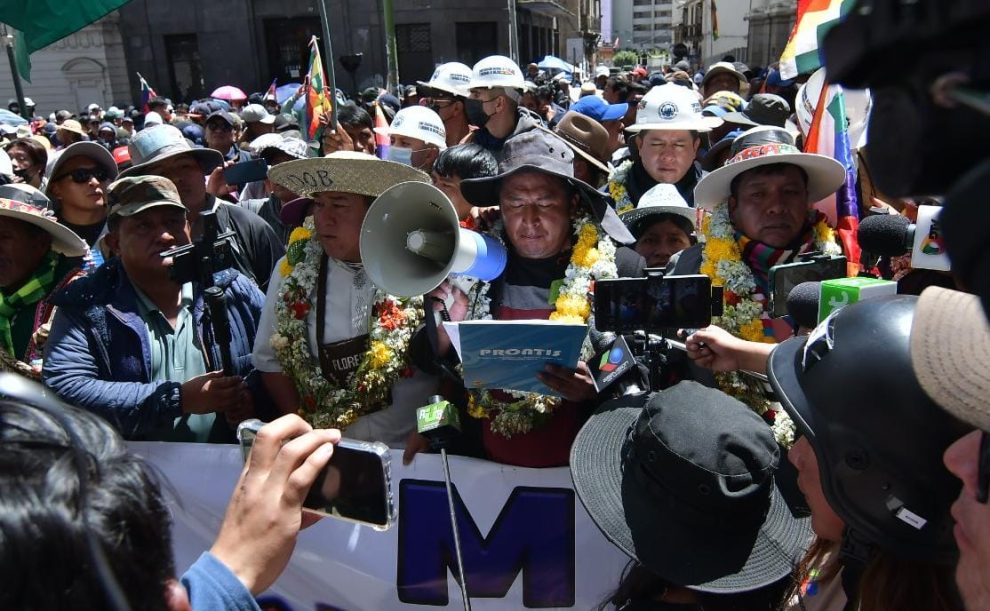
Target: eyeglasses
219,127
84,175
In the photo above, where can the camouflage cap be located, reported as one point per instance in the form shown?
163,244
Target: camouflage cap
129,196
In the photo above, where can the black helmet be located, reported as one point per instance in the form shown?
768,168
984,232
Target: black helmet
879,439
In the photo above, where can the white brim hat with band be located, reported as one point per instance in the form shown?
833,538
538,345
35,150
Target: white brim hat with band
672,107
342,172
417,122
452,77
27,204
767,145
660,199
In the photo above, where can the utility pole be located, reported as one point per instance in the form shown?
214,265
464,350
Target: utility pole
513,32
391,55
8,39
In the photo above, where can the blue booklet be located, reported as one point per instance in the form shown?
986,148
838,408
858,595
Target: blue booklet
509,353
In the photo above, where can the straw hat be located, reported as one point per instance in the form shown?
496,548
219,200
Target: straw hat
27,204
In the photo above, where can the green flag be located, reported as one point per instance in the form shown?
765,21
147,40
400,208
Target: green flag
43,22
22,57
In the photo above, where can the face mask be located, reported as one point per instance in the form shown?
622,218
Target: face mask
476,114
400,154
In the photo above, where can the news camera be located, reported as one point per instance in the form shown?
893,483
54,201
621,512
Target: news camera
638,317
198,262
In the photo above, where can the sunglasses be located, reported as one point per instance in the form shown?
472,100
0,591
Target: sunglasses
84,175
219,127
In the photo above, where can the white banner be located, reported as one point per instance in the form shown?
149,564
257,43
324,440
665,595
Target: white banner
527,540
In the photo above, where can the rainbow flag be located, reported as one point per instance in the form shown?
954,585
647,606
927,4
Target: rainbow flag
814,19
829,136
146,94
382,141
317,101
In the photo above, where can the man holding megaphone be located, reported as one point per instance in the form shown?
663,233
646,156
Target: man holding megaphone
330,344
560,235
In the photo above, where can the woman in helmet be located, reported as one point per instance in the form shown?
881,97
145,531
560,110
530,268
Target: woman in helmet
869,464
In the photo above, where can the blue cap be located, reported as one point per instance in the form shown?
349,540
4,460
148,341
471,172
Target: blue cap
714,110
598,109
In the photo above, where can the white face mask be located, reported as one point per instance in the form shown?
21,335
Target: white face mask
400,154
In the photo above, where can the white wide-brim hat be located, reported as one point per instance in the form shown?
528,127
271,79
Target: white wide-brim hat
767,145
660,199
672,107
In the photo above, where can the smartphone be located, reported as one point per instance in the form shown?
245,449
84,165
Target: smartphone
783,278
653,303
356,485
246,171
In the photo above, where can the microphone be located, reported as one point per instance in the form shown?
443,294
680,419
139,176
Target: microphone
888,235
438,421
802,304
892,235
612,360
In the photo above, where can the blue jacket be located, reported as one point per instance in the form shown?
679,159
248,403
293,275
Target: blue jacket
98,355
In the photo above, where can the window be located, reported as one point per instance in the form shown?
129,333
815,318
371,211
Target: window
415,51
475,40
185,72
287,43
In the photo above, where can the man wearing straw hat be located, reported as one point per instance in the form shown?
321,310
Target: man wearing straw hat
762,214
331,346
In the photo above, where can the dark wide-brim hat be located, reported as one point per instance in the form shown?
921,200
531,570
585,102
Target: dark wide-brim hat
542,151
767,145
663,482
155,144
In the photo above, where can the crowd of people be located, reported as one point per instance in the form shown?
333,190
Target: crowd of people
779,464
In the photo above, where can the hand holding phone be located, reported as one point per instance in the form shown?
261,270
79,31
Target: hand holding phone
354,485
264,515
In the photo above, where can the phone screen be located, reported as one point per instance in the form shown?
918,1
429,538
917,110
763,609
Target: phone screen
783,279
246,171
653,304
353,486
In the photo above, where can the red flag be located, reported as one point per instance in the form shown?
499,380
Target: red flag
382,141
146,94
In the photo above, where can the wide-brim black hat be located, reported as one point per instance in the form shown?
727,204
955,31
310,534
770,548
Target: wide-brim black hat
712,553
541,151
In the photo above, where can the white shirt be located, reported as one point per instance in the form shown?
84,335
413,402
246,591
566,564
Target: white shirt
348,308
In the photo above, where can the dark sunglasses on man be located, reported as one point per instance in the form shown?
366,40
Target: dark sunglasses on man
84,175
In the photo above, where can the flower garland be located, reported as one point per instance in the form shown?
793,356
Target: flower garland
744,309
617,187
391,325
593,258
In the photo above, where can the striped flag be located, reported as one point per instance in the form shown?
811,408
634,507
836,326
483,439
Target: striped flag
317,101
146,94
714,21
271,93
381,140
814,19
829,136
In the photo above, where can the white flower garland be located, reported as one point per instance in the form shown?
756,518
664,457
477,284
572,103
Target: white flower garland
618,187
390,328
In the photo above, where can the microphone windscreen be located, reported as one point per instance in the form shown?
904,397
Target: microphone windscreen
884,234
802,303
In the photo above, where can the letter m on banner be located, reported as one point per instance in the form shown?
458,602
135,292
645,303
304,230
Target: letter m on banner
534,533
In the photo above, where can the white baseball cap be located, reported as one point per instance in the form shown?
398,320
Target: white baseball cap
417,122
496,71
452,77
672,107
152,118
256,113
601,71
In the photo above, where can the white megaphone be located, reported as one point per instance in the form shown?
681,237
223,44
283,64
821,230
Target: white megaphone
411,241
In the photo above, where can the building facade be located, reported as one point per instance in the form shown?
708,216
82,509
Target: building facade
87,67
712,29
770,24
185,50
